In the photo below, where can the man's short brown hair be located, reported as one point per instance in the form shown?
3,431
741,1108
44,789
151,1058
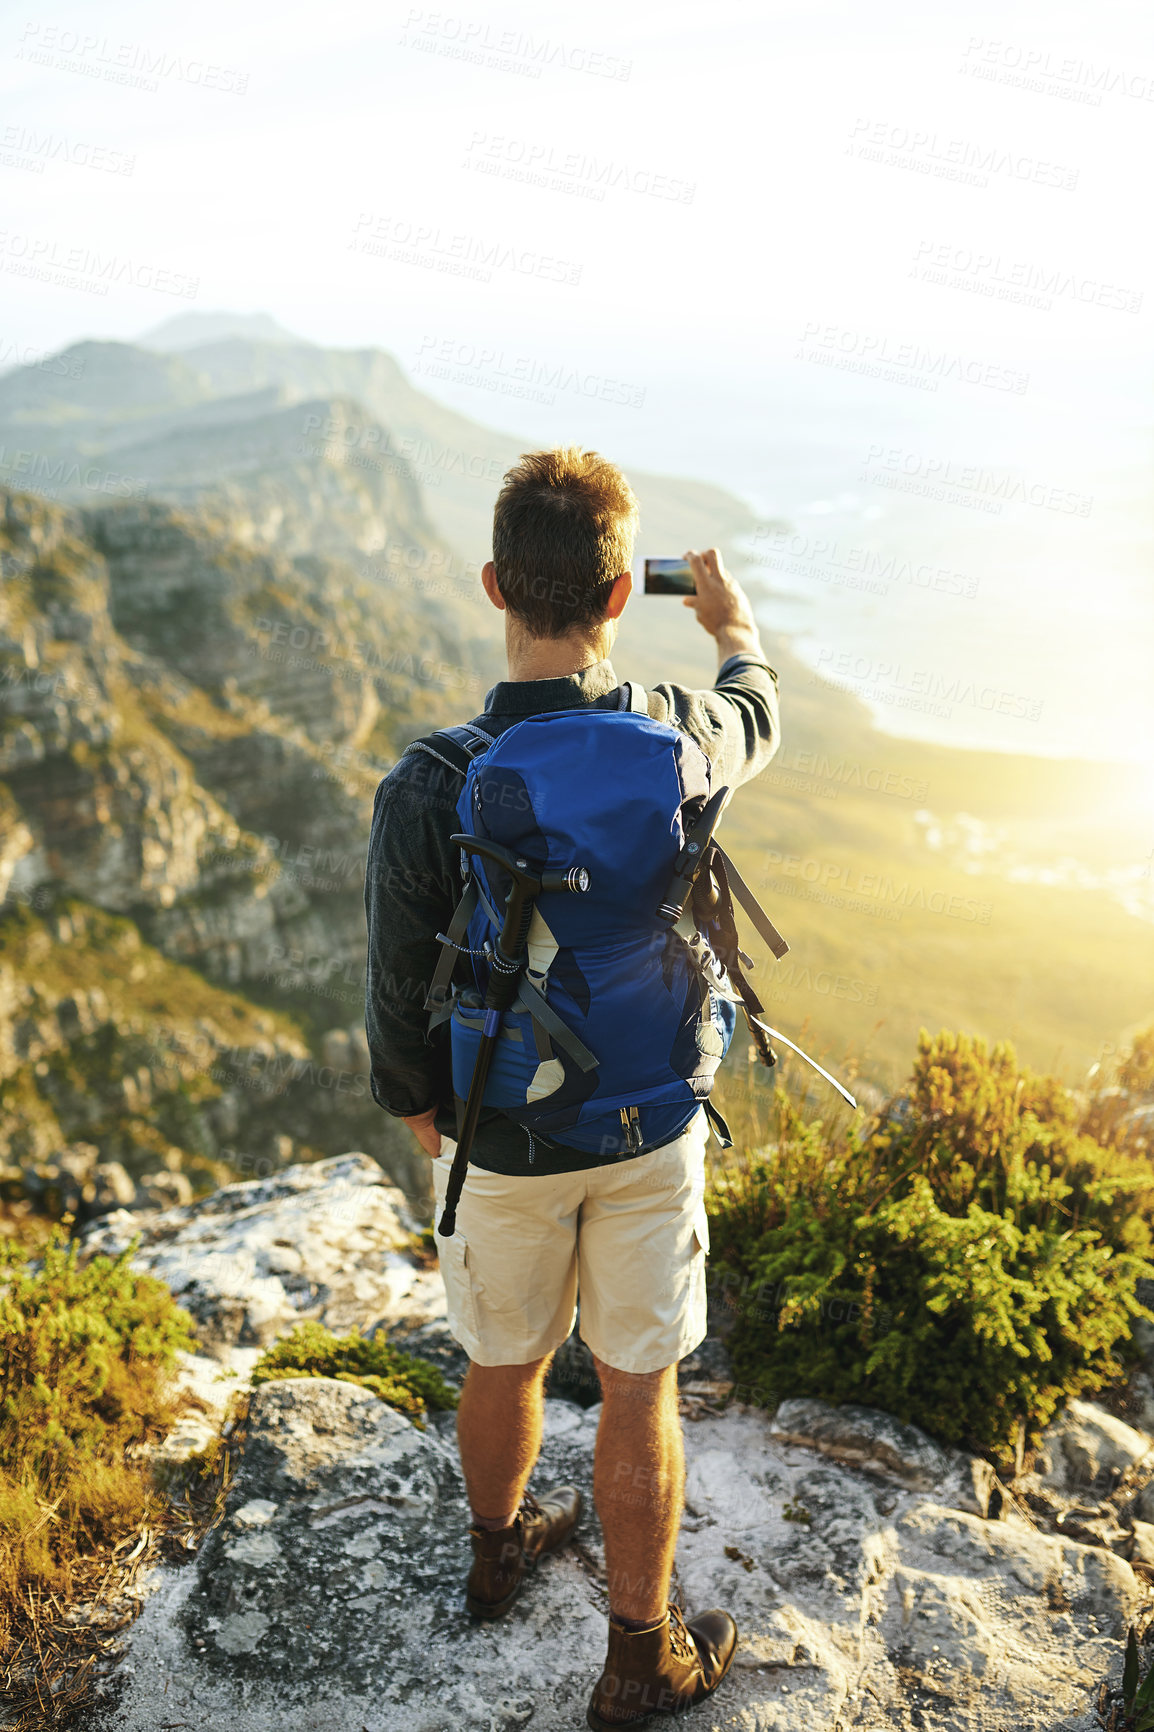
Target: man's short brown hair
563,530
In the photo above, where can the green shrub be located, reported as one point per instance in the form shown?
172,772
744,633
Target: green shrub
85,1357
967,1264
409,1384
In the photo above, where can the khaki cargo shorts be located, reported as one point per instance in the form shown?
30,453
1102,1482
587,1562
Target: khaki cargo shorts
631,1238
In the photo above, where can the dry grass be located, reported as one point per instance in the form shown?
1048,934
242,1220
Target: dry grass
87,1356
62,1641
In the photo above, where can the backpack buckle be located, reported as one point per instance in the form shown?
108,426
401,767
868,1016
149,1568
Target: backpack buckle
631,1128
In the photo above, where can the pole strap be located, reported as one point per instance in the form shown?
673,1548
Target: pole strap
776,1034
763,924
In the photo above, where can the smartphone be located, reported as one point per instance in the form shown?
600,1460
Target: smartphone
669,577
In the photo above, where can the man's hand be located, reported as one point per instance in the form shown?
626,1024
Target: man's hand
421,1125
722,606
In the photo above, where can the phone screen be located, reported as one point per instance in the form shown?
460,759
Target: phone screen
669,577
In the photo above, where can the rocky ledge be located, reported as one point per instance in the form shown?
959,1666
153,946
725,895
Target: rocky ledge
878,1580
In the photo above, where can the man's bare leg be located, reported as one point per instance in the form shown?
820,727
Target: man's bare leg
499,1423
638,1485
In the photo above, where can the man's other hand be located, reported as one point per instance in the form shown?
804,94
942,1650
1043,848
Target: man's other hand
722,606
421,1125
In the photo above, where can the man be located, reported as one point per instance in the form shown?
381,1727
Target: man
628,1232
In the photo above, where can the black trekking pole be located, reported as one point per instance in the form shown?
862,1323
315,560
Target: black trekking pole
505,968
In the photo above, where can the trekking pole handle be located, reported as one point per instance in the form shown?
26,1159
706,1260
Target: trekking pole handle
574,878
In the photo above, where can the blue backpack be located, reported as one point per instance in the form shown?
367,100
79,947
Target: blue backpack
628,1003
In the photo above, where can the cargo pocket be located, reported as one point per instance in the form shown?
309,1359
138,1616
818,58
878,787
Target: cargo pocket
453,1255
701,1230
695,1315
453,1258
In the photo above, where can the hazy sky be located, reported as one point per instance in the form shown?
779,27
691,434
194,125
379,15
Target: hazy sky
751,231
736,203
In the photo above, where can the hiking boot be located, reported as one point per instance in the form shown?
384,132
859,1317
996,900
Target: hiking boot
662,1669
502,1555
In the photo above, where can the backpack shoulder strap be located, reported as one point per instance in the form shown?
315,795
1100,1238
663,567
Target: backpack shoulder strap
454,747
633,697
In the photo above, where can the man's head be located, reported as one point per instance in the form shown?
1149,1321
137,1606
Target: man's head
563,531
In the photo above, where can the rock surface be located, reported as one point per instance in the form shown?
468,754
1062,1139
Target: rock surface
868,1586
865,1437
1088,1450
331,1594
330,1241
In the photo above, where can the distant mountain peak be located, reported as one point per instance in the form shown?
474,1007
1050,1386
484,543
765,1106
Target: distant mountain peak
190,330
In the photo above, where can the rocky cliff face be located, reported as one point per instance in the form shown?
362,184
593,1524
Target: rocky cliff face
878,1581
190,736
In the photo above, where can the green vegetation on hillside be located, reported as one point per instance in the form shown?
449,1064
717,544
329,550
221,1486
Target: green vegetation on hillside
968,1261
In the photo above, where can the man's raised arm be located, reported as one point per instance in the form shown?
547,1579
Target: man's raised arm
737,723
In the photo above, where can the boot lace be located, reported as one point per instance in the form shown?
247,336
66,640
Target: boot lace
679,1638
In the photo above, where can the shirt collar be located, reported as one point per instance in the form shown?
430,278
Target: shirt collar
533,697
